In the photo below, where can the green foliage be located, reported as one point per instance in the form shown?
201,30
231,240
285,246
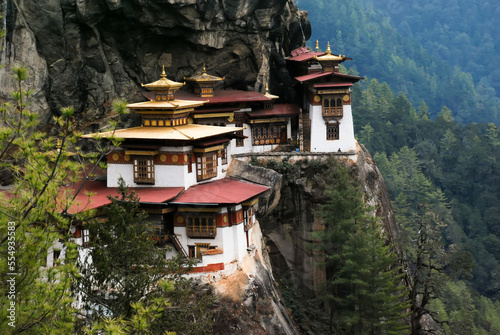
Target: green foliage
419,48
123,266
449,171
364,291
38,167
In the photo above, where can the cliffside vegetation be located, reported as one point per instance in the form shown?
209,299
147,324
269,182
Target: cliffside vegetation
362,290
435,70
451,170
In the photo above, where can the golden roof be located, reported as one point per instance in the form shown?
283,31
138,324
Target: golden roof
171,105
330,57
163,84
204,77
183,133
269,95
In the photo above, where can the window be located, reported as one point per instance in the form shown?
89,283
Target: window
200,247
266,134
189,164
240,139
223,156
248,221
144,170
206,166
196,251
85,238
333,106
332,131
201,226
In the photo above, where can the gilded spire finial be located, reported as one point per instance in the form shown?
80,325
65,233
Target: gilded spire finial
267,88
204,68
163,74
317,45
328,50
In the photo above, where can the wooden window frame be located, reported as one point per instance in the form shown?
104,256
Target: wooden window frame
190,163
144,169
332,131
201,226
268,133
248,218
223,156
332,105
206,166
240,140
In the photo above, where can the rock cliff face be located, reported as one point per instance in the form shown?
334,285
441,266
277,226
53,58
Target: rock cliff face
86,53
289,225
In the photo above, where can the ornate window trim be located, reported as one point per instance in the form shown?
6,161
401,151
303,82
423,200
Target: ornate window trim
223,155
332,131
267,133
332,105
248,218
144,169
201,226
206,166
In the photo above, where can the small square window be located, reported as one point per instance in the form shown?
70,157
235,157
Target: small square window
332,131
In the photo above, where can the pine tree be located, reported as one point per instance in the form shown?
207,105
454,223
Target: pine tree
364,286
123,265
35,297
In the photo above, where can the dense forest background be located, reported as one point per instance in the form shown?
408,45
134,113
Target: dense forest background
443,53
428,111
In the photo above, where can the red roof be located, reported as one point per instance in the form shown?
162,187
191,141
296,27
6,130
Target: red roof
324,85
299,51
306,56
100,193
276,110
222,191
224,96
312,76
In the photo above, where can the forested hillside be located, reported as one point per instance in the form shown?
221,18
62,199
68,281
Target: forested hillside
429,53
430,120
451,171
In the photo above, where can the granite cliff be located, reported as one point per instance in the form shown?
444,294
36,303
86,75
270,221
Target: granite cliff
87,53
289,216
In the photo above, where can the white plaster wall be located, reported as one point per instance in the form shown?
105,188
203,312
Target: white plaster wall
187,148
171,253
227,247
191,177
239,242
247,147
213,259
165,176
318,132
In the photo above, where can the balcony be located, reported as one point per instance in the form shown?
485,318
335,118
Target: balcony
333,111
208,232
